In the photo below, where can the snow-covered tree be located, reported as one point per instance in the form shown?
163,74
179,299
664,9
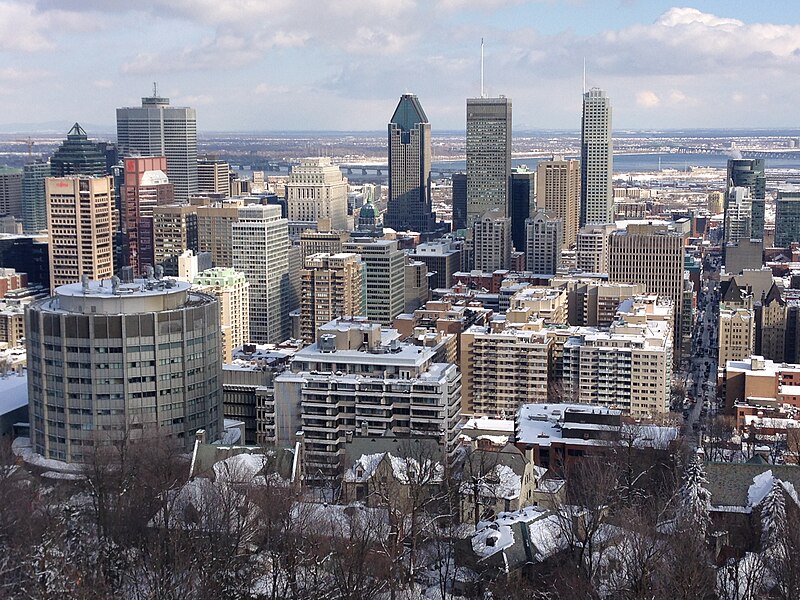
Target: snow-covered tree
773,519
694,497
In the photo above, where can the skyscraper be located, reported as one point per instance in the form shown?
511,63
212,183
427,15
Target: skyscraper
332,287
597,197
34,200
409,205
213,176
158,129
787,217
749,173
261,252
316,190
558,190
491,235
11,192
79,223
523,193
738,224
384,268
459,201
488,156
545,234
78,155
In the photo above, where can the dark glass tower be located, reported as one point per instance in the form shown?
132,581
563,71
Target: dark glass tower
78,156
523,187
749,173
459,201
409,206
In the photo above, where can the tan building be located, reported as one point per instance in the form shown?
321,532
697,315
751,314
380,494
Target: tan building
716,202
592,248
491,241
547,304
213,176
79,221
12,325
233,294
384,268
756,381
417,291
558,191
736,334
172,226
215,231
332,286
593,302
503,369
323,240
317,190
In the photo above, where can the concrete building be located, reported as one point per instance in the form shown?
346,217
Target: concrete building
79,221
738,215
787,217
12,325
213,176
758,382
232,292
488,156
215,230
442,257
593,302
361,377
736,334
522,204
558,191
409,205
158,129
261,252
111,362
744,254
332,286
597,198
491,239
34,198
322,240
145,186
174,232
544,233
317,190
384,270
11,192
593,247
417,289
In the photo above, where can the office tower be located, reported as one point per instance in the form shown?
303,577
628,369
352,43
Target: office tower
158,129
653,256
544,234
738,215
523,197
459,201
488,156
592,248
401,391
787,217
232,292
77,155
213,177
79,223
716,202
332,286
323,240
628,367
27,254
409,204
144,361
597,198
558,190
174,232
261,252
442,257
145,187
215,231
749,173
491,238
11,192
417,290
384,268
34,200
316,190
495,380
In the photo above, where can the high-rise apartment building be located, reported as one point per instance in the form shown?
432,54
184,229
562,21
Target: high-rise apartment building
384,267
738,222
145,186
213,176
332,286
736,334
787,217
11,192
488,156
523,204
261,252
215,230
78,155
593,247
593,302
79,222
597,197
491,239
174,232
34,199
122,361
232,292
323,240
544,234
558,190
316,190
459,201
158,129
750,173
409,204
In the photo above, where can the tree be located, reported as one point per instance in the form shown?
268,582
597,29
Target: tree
695,500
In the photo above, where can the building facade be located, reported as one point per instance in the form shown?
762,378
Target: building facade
77,155
213,177
787,217
384,267
523,204
558,190
232,292
597,198
316,190
491,239
544,234
749,173
593,248
34,199
11,192
332,286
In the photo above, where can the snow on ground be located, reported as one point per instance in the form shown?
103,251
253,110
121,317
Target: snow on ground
21,447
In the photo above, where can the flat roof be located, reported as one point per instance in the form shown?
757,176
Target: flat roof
139,287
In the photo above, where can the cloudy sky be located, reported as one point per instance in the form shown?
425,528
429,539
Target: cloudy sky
341,64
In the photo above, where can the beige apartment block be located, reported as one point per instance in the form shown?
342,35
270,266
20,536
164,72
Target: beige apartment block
215,231
332,286
736,334
547,304
592,248
171,227
79,221
213,176
232,291
558,191
491,239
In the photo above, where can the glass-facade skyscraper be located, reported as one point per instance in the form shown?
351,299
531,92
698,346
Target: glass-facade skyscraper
523,192
749,173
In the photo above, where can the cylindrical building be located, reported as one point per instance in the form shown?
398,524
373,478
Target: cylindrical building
110,362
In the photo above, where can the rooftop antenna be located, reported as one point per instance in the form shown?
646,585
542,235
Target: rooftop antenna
155,90
482,94
584,74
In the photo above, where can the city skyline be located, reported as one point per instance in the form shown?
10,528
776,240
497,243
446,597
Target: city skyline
653,58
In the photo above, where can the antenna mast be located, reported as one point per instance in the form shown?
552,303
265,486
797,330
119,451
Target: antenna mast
482,94
584,74
155,89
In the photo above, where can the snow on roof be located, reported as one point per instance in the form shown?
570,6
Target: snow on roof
492,539
13,392
763,483
489,424
364,468
239,468
540,424
501,482
402,467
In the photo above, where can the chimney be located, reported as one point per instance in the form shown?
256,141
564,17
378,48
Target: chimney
200,436
364,429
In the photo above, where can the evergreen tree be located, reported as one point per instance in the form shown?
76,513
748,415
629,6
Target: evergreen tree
773,519
695,498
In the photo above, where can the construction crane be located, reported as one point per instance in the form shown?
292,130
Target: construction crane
29,143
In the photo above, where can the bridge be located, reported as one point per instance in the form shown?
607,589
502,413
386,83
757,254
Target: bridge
745,153
379,170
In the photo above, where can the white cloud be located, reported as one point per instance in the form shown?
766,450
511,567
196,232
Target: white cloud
23,28
647,99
